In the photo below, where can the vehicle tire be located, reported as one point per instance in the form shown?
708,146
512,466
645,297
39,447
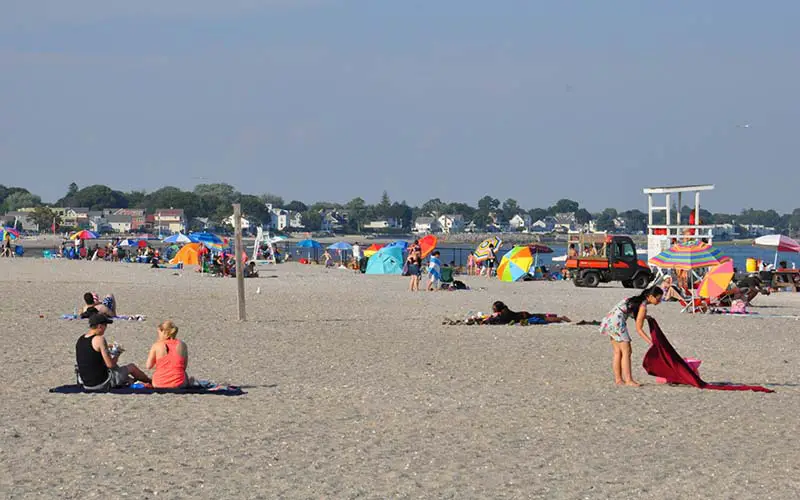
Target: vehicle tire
627,283
578,282
641,281
591,280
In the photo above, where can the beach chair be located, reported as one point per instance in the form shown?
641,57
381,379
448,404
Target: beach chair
447,274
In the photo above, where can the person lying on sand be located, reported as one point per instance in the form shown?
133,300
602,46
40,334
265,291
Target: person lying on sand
97,367
107,306
169,356
502,315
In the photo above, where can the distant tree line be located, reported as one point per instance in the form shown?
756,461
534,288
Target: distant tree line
213,201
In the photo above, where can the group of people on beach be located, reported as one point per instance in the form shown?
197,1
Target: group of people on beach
97,363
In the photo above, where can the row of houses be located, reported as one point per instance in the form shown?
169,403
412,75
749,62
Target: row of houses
119,220
559,223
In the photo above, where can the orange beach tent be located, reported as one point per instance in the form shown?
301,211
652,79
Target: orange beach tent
189,255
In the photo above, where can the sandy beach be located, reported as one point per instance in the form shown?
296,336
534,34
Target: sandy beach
355,389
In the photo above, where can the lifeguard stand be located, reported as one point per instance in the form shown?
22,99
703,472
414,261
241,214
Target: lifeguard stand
261,237
661,236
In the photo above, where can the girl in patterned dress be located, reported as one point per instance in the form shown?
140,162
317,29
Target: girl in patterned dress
615,326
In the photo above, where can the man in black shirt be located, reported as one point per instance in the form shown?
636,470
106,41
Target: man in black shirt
98,369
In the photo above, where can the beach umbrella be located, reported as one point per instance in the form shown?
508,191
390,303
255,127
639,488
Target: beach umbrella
205,237
127,243
372,249
10,233
428,244
779,242
341,245
402,245
515,264
141,243
482,252
84,235
177,238
308,244
716,280
536,249
687,257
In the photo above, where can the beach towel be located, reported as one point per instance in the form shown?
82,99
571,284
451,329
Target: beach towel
661,360
124,317
435,268
208,388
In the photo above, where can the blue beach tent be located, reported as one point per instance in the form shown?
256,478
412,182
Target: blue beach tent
387,260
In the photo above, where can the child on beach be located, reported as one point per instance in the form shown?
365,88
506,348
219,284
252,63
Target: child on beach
615,326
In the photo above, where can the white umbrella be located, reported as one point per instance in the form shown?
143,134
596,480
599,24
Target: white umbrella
779,242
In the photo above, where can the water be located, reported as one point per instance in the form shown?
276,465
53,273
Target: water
458,254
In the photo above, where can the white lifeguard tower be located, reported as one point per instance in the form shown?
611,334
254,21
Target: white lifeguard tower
661,236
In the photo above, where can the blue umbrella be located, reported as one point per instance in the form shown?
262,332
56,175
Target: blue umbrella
177,238
402,245
205,238
308,244
341,245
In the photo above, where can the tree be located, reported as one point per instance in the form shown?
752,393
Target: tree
357,208
488,204
605,220
433,208
564,206
510,209
224,192
98,197
635,220
72,190
296,206
272,199
461,209
401,212
312,220
582,216
44,218
538,214
21,199
382,208
255,210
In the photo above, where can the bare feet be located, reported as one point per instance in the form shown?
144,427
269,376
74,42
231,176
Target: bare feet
618,382
633,383
565,319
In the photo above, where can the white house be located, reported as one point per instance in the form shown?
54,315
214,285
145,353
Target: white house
519,222
245,222
387,223
451,223
725,231
10,219
545,225
120,223
170,220
565,222
756,230
425,225
296,220
331,220
620,224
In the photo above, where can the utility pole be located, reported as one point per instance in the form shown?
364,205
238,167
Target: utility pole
237,225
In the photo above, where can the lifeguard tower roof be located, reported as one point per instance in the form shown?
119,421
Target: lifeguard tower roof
677,189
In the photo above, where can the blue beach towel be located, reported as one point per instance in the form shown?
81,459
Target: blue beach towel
216,389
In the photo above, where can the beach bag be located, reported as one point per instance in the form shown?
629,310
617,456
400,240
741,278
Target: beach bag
459,285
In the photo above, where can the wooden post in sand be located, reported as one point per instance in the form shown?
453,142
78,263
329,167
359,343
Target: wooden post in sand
238,248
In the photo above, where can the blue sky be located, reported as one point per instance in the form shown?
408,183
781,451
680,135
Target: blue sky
328,100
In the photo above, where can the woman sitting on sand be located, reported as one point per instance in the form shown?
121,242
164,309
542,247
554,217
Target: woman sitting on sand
670,292
169,356
502,315
615,325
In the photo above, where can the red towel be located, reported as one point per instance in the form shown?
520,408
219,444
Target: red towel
661,360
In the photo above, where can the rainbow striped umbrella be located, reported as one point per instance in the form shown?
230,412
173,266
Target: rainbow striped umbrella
10,233
687,257
482,252
515,264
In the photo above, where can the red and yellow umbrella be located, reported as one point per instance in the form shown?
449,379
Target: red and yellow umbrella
717,280
372,249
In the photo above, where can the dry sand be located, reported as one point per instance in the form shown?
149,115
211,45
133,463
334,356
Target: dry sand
356,390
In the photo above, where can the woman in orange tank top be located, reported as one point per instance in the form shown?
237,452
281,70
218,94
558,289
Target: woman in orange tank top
169,356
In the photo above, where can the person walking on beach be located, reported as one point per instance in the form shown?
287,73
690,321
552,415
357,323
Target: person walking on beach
434,272
616,327
413,266
470,264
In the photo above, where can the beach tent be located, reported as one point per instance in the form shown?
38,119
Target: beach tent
403,245
386,261
189,255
